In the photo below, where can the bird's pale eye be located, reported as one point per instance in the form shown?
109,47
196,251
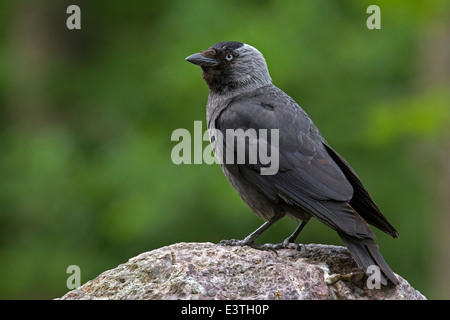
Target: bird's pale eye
229,57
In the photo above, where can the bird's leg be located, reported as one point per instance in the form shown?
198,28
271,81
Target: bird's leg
294,235
250,239
289,242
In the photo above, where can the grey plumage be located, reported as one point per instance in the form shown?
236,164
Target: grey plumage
312,180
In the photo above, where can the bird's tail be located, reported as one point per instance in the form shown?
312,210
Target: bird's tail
366,254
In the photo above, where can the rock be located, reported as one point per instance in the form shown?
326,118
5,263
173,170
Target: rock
210,271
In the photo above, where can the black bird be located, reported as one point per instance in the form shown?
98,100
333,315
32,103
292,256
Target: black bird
312,179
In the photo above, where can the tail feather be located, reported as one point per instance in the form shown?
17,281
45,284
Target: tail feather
365,252
351,227
362,202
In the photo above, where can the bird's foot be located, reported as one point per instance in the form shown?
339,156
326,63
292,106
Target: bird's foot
249,243
241,243
284,245
267,246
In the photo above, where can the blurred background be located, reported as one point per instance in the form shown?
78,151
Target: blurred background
86,118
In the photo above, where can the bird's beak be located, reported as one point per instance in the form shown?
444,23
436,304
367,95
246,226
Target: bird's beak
202,61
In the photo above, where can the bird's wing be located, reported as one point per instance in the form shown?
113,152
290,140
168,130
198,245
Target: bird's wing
307,177
361,201
305,166
311,175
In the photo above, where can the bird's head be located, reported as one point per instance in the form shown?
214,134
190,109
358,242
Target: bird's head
230,67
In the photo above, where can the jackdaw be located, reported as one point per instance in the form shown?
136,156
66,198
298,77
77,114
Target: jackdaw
312,179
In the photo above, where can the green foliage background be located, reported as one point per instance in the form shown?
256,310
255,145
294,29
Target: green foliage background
86,118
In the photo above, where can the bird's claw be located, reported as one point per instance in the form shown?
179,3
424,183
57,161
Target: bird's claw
267,246
290,245
241,243
232,242
245,242
283,245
